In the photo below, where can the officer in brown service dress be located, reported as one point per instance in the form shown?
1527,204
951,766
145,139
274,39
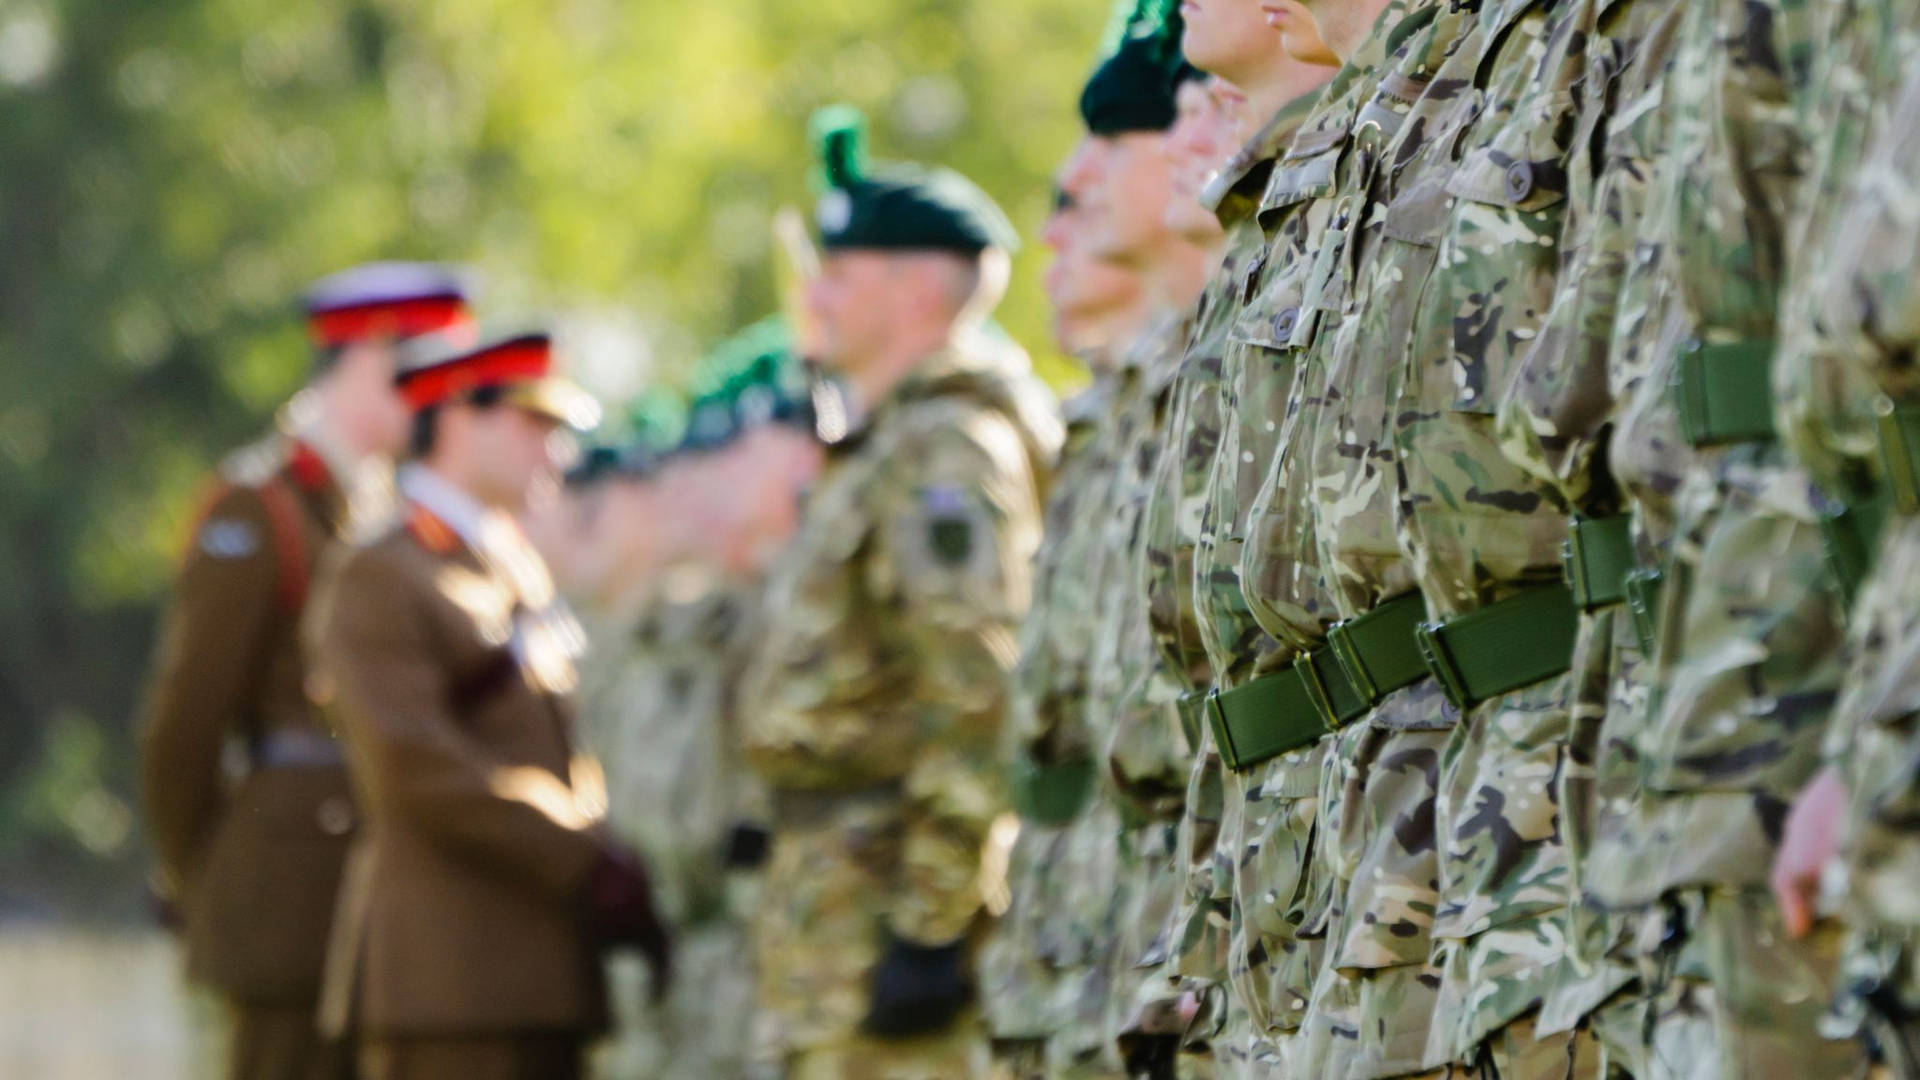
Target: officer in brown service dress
485,884
245,794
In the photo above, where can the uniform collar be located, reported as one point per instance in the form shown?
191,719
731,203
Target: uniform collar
459,511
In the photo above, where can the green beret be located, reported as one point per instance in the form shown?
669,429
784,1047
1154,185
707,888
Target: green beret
751,379
648,434
895,206
1133,89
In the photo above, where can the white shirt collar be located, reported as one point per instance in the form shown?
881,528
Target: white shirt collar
463,513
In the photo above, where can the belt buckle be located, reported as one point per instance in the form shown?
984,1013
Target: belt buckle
1433,650
1316,689
1897,458
1643,601
1689,392
1347,653
1573,564
1222,738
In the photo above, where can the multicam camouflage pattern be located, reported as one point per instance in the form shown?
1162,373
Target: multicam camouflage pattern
1171,525
1872,740
1554,420
1147,752
1275,924
1843,326
1047,721
657,710
874,709
1747,657
1368,1010
1476,528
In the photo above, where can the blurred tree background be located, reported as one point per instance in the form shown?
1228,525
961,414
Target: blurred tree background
172,172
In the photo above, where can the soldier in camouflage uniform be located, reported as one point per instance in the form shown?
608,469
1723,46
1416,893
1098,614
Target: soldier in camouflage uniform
1843,401
873,710
1097,305
1146,743
1319,549
660,709
1231,39
1121,166
1745,650
1565,400
1267,721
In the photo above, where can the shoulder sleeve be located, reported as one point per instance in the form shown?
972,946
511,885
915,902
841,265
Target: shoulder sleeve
958,528
205,674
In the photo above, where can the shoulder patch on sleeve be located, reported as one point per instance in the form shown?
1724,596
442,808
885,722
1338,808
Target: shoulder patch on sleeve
228,538
949,524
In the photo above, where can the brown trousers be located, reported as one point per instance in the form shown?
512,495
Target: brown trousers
524,1056
282,1043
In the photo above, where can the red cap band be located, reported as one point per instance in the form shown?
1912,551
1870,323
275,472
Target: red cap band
399,319
520,360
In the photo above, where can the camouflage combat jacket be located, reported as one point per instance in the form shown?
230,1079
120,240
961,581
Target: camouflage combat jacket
874,709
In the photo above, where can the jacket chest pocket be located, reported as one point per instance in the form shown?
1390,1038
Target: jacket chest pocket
1500,256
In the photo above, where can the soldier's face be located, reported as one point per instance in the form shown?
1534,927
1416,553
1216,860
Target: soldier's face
1084,289
849,299
1299,33
1131,173
1228,38
380,417
1197,145
512,455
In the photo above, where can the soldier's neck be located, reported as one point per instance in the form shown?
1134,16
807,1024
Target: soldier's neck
876,378
1182,274
1274,88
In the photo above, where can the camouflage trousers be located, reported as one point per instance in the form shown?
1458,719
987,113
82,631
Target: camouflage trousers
703,1028
1873,737
1373,999
1599,780
818,934
1276,932
1017,984
1735,997
1500,933
1082,942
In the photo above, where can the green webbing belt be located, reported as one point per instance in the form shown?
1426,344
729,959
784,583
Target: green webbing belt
1899,431
1378,650
1598,556
1849,538
1724,393
1263,719
1365,659
1505,646
1643,601
1051,794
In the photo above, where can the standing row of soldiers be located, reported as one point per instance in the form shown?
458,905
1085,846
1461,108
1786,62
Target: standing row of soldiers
1465,635
1469,640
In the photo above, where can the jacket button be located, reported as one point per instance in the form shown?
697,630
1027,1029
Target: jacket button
1519,181
1284,321
335,817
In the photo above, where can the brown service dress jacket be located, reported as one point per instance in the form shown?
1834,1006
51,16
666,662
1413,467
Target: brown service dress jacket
463,908
251,857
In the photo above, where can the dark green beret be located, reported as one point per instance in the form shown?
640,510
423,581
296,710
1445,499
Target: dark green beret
646,437
897,207
1134,88
751,379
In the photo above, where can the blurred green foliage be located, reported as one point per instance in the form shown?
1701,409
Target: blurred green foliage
172,172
